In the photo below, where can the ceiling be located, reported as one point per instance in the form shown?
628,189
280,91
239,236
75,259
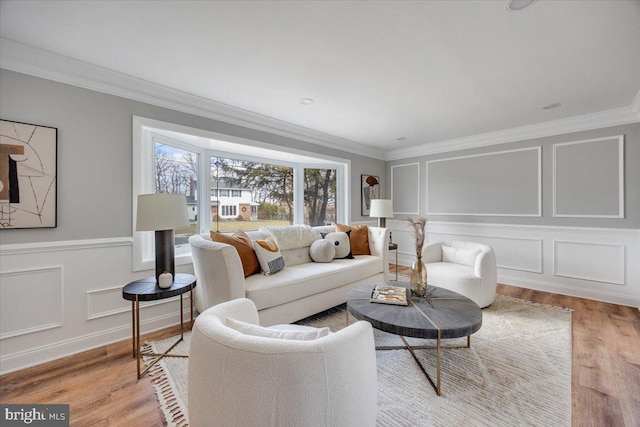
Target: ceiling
389,75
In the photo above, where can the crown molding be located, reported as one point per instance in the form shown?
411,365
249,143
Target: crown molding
22,58
26,59
614,117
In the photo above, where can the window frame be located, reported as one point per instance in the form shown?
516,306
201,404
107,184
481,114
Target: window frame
203,143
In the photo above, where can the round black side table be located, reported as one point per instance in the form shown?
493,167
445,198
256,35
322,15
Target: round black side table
147,290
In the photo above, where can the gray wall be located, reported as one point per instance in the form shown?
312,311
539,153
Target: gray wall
602,166
95,153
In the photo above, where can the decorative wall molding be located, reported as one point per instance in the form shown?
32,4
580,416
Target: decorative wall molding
417,184
18,289
30,60
113,297
602,119
64,245
33,61
465,192
516,253
593,261
620,178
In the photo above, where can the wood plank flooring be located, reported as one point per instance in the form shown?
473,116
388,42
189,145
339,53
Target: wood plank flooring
101,387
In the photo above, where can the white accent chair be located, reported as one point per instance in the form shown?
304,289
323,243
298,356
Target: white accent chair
467,268
238,379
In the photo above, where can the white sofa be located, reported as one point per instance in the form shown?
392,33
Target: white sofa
239,379
301,289
467,268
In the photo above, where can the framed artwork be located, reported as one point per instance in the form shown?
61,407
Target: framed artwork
28,175
370,189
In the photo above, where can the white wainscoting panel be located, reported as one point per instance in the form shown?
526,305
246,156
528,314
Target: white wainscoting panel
594,263
513,253
590,261
47,315
31,300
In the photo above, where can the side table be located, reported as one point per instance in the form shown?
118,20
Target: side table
147,290
394,247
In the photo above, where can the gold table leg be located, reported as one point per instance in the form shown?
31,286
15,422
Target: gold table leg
158,356
438,347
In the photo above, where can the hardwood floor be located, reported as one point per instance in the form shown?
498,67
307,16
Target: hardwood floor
101,387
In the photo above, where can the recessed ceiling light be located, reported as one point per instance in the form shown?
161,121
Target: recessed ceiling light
520,4
551,106
401,138
306,101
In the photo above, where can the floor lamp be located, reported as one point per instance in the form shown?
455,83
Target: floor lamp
162,213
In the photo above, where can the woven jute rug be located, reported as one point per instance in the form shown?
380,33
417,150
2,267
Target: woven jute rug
516,373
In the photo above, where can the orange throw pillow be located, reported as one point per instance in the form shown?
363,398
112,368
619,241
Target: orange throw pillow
242,243
359,238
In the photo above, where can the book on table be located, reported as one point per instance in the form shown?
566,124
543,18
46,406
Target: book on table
387,294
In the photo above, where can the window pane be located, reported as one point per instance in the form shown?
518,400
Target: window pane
176,172
251,195
319,196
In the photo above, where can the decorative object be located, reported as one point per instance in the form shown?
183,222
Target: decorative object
387,294
381,209
28,175
322,251
341,242
418,278
370,190
162,213
358,238
269,256
165,280
504,379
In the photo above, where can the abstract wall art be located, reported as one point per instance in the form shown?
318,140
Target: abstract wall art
28,175
370,189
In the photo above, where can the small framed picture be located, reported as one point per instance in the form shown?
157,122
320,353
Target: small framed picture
370,189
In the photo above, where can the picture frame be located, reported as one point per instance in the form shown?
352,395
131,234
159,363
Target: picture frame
369,190
28,175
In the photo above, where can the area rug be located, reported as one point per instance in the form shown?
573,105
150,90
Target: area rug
516,373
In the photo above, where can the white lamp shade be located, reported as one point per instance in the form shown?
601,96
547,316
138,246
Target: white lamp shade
381,208
161,212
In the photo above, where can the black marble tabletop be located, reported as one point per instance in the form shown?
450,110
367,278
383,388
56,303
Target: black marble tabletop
451,313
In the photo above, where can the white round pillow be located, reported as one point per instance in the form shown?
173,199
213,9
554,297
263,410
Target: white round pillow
322,251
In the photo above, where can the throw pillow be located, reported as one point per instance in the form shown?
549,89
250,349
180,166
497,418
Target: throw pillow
260,331
359,238
269,256
242,243
322,251
341,243
459,255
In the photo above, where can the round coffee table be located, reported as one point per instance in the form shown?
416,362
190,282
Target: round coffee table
444,314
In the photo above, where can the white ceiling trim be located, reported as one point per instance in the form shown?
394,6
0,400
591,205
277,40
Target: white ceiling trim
37,62
614,117
30,60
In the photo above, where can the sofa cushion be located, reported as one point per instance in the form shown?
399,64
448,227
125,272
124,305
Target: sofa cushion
242,243
459,255
292,236
299,334
359,238
341,243
322,251
269,255
304,280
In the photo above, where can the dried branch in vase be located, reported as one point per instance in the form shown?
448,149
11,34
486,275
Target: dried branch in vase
418,229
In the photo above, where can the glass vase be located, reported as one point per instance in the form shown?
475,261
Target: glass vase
418,279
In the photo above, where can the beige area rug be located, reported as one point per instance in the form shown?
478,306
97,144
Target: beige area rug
516,373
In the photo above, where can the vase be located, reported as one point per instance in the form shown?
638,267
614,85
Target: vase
418,279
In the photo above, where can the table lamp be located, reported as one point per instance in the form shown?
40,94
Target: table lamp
382,209
162,213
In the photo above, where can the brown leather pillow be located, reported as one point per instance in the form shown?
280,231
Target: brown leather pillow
359,238
242,243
